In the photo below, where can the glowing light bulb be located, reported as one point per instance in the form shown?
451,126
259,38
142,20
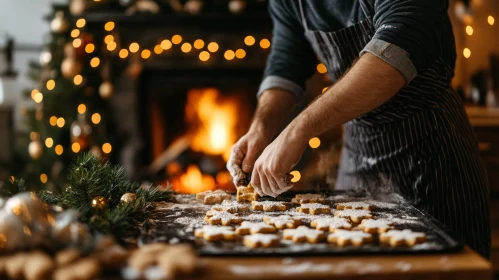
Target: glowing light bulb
186,47
123,53
33,92
264,43
49,142
109,26
107,148
469,30
198,44
249,40
82,108
75,33
134,47
296,176
314,142
240,53
145,54
77,43
213,47
176,39
94,62
229,54
111,46
324,89
466,52
166,44
96,118
78,79
89,48
158,49
50,84
59,150
53,121
321,68
61,122
43,178
38,97
108,39
491,20
75,147
81,23
204,56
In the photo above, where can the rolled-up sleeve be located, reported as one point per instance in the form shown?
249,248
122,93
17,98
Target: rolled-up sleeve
291,60
408,33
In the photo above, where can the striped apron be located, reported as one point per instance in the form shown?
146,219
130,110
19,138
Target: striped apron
419,143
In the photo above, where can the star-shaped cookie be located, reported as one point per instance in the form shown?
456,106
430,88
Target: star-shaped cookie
304,234
346,237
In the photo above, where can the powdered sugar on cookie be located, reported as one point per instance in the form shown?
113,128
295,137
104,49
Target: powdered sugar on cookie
375,226
314,208
355,205
231,207
355,216
216,217
346,237
261,240
283,221
254,228
308,198
331,224
303,233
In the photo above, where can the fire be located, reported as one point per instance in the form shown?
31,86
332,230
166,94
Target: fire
213,119
193,181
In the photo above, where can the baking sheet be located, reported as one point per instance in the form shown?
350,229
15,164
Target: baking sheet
176,223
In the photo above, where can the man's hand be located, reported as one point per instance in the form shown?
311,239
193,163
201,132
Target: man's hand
270,175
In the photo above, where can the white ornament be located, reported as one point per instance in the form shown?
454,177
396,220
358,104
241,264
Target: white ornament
59,24
35,149
194,7
237,6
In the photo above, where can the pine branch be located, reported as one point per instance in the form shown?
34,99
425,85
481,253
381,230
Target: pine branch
12,187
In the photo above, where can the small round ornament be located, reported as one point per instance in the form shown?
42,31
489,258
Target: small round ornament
106,90
70,67
77,7
100,202
128,198
59,23
237,6
12,236
45,57
32,212
35,149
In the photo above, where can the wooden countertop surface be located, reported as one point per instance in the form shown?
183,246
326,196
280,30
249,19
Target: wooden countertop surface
464,265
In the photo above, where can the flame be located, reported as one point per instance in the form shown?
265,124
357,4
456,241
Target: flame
213,119
193,181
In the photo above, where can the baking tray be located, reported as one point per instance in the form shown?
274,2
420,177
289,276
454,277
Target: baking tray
176,223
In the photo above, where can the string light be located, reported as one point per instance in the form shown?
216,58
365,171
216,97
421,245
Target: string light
43,178
264,43
108,39
324,89
34,136
229,54
49,142
491,20
158,49
89,48
240,53
249,40
176,39
38,97
78,79
60,122
198,44
77,43
94,62
82,108
33,92
96,118
146,54
53,121
321,68
107,148
50,84
204,56
111,46
123,53
109,26
186,47
213,47
81,23
59,150
134,47
166,44
296,176
466,52
75,33
469,30
314,142
75,147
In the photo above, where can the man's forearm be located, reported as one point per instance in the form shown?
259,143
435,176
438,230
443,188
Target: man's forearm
273,110
369,83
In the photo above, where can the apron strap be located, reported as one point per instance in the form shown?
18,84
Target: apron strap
302,14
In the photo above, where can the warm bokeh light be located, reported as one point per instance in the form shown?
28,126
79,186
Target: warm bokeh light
89,48
43,178
82,108
324,89
61,122
491,20
199,44
50,84
158,49
109,26
314,142
108,39
296,176
123,53
94,62
96,118
34,136
264,43
33,92
240,53
111,46
49,142
38,97
213,47
59,150
78,79
249,40
53,121
186,47
321,68
176,39
229,54
75,33
204,56
75,147
469,30
134,47
81,23
466,52
107,148
166,44
145,54
77,43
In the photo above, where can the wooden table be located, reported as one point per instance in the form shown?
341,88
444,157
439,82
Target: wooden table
465,265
